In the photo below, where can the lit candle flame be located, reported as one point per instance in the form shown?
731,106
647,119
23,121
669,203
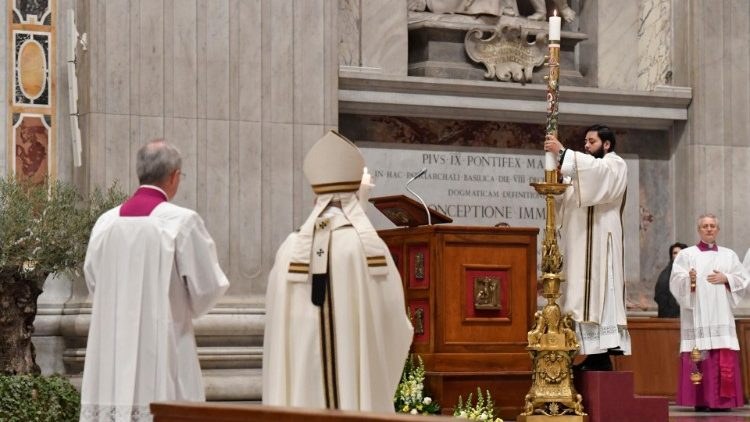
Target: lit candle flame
554,12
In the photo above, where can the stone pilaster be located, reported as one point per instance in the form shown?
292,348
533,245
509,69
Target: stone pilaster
243,88
712,150
654,54
373,35
617,31
4,77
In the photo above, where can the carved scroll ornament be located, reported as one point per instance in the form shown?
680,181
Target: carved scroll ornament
506,54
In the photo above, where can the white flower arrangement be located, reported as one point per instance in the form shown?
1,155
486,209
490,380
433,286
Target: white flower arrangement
410,395
484,410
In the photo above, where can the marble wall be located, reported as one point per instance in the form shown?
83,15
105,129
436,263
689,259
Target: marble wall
713,150
654,48
373,35
65,168
4,53
243,88
615,27
651,148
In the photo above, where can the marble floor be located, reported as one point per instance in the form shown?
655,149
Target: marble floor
687,414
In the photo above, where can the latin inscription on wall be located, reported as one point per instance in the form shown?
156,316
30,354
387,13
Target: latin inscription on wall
479,188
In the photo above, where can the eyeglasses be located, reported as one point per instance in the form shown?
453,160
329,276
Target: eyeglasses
182,174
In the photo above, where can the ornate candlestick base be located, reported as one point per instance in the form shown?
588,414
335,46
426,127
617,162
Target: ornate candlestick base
552,341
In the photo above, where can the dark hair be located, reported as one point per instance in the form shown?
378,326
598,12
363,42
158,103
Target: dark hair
676,244
605,134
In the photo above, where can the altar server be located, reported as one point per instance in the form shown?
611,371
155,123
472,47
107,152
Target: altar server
590,217
708,281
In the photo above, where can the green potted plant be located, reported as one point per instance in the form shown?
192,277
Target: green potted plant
44,229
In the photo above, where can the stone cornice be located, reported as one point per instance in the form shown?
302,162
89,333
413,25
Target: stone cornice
371,93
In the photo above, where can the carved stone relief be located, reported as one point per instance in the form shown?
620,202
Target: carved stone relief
447,38
506,54
494,8
486,293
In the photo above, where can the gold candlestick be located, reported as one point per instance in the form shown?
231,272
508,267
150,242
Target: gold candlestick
552,341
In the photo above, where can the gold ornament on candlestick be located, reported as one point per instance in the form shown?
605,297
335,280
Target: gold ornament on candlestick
552,341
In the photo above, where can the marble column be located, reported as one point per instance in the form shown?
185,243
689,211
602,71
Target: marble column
4,76
373,36
629,44
654,44
244,88
712,151
617,32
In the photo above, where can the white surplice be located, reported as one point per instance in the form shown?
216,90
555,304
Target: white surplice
149,277
706,318
590,218
361,335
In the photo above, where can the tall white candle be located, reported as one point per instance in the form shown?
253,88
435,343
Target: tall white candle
550,161
555,22
554,27
366,178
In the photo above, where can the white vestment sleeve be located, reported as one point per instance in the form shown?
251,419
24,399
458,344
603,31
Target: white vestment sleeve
276,388
93,250
198,266
88,270
596,180
679,281
738,279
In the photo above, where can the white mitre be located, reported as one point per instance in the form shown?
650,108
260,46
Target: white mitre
334,167
334,164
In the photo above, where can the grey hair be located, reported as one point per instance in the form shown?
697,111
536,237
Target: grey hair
156,160
708,215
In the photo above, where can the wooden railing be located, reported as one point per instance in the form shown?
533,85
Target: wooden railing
654,362
655,359
194,412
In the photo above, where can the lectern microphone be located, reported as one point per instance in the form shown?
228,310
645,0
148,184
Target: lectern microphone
426,210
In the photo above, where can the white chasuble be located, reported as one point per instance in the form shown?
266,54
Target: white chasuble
348,352
149,277
706,318
590,218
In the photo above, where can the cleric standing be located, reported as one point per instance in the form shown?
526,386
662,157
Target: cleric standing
151,268
708,281
592,239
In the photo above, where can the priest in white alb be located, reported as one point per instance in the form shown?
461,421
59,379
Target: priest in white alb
590,217
708,281
151,268
337,334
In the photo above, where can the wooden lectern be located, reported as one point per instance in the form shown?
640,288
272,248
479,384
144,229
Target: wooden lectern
471,294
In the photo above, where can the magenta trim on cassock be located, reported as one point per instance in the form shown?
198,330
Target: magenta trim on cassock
721,366
705,247
143,201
